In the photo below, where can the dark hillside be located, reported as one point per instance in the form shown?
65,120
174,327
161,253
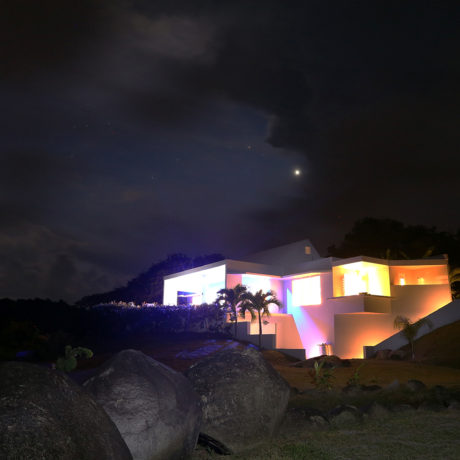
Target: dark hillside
148,286
440,347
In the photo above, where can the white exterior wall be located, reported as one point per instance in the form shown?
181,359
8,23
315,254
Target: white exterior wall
418,301
205,283
256,282
315,323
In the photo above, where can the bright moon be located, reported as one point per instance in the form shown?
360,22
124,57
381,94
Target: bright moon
297,172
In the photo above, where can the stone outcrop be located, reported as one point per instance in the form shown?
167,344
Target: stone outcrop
344,414
243,397
154,407
415,385
44,414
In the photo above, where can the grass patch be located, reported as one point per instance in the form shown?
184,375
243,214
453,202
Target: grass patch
428,435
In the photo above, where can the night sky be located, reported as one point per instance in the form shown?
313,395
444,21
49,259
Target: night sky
131,130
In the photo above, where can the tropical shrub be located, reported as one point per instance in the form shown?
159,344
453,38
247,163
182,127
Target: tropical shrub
20,336
355,379
114,321
68,362
321,377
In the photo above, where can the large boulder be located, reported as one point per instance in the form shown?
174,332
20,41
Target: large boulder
154,407
243,397
44,414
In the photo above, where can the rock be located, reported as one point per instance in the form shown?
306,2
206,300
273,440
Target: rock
441,394
318,420
154,407
351,390
402,408
377,411
44,414
370,387
431,406
244,399
453,405
344,414
393,386
308,412
298,417
415,385
354,390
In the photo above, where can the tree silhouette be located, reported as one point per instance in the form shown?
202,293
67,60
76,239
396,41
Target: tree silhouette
260,301
231,299
410,329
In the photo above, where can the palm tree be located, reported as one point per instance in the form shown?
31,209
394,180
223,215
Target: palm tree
410,329
231,300
454,281
259,302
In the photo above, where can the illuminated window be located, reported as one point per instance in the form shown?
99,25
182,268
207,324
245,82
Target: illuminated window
308,250
256,283
194,288
361,277
354,283
306,291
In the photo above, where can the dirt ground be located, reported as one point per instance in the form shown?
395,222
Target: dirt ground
181,352
298,440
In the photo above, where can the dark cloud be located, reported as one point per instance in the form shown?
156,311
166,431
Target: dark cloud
35,36
35,184
134,129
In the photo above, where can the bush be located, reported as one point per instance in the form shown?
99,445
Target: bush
68,362
115,321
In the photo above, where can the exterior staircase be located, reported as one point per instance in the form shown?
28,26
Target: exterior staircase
278,333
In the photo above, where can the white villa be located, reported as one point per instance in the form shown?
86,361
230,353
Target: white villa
330,305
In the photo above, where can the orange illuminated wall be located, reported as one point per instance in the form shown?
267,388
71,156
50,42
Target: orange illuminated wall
359,277
406,275
354,330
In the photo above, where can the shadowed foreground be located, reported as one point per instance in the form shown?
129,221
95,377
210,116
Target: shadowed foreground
423,435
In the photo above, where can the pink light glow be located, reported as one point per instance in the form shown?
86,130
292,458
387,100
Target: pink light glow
306,291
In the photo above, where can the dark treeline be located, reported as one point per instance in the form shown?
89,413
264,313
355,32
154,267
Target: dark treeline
40,325
46,326
390,239
148,286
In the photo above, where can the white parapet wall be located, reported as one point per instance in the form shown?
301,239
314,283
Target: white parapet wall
278,333
445,315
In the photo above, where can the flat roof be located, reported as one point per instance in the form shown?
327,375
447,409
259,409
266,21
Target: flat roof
439,260
316,266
